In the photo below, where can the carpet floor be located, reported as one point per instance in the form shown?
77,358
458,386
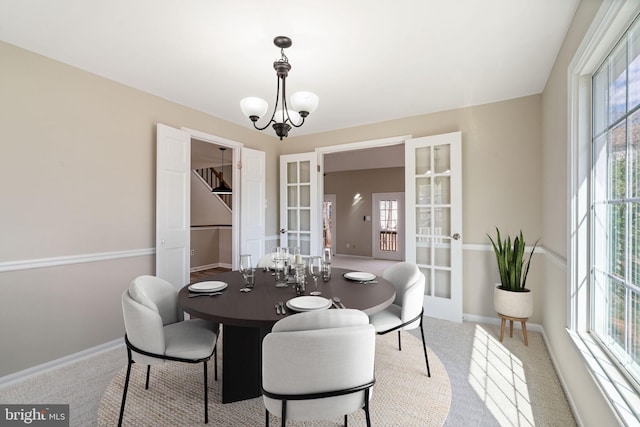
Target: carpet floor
402,396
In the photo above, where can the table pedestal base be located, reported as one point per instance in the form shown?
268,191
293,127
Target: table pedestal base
241,362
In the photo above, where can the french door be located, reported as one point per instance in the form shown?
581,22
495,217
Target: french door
433,180
299,203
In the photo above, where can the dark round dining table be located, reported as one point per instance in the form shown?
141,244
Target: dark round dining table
246,317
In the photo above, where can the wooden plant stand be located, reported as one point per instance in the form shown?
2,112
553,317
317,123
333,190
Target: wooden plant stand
523,322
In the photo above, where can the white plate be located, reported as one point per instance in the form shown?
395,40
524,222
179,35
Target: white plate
359,276
308,303
207,286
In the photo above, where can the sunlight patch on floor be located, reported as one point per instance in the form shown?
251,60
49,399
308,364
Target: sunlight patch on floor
497,376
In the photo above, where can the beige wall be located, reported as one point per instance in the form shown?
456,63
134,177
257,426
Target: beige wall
77,167
349,218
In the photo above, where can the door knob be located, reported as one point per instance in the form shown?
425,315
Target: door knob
456,236
282,231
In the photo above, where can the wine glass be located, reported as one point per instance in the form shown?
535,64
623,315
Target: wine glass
315,269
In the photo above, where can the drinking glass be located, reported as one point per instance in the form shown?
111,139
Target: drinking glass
245,267
326,255
315,269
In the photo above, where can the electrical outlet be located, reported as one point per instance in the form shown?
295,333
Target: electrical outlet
193,252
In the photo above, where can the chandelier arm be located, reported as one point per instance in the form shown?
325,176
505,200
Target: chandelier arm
285,108
275,107
295,125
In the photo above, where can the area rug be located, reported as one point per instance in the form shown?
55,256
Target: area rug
402,396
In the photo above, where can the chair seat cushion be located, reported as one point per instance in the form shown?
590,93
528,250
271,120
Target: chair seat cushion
190,339
387,319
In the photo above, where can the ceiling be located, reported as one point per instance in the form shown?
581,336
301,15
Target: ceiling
368,61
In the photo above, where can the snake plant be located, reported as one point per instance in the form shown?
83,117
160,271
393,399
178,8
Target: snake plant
511,261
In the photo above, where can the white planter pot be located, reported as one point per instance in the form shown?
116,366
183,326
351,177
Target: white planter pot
513,304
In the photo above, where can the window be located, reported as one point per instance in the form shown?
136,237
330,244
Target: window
615,203
604,202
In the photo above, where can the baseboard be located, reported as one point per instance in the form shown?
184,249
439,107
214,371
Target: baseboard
210,266
58,363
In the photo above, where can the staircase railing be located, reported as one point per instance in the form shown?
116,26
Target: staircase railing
213,179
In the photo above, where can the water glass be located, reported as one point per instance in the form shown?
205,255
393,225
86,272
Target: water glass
249,278
326,271
326,255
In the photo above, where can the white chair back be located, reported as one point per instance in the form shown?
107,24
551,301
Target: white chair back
148,305
409,283
317,352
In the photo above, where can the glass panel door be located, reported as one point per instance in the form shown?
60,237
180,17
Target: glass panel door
434,220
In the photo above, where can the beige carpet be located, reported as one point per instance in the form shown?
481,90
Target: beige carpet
403,394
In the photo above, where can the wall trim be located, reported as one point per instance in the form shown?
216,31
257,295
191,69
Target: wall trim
27,264
59,363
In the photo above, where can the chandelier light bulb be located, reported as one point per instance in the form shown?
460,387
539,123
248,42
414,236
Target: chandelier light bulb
304,102
253,107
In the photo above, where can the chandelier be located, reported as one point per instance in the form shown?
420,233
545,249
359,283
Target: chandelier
302,103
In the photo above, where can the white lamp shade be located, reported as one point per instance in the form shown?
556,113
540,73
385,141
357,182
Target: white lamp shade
304,101
293,116
253,106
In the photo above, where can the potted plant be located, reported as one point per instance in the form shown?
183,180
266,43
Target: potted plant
510,296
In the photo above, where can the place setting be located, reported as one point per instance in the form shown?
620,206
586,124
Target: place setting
208,288
361,277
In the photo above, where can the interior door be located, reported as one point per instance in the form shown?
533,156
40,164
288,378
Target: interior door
387,226
433,179
173,200
252,204
299,203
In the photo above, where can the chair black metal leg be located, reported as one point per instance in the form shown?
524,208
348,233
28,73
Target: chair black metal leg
284,414
266,417
399,341
346,421
146,384
366,407
206,394
124,393
424,347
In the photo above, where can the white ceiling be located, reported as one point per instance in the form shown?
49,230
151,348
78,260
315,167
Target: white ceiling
367,60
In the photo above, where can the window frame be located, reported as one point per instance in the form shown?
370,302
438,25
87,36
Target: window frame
610,24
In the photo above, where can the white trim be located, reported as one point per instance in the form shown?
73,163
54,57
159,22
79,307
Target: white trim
27,264
59,363
393,140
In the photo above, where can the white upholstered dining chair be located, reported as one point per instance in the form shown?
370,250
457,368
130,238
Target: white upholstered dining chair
318,365
406,311
157,332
